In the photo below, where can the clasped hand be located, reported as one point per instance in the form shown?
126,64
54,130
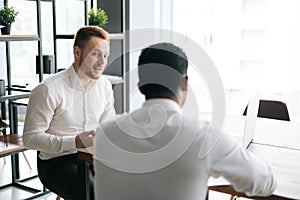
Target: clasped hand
85,139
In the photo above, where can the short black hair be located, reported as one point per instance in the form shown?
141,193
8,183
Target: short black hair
161,68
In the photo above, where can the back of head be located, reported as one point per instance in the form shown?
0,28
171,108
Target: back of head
161,68
85,33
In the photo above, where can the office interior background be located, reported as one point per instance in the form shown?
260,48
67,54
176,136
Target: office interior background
253,44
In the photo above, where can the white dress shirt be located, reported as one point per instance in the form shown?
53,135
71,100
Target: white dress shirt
132,160
60,108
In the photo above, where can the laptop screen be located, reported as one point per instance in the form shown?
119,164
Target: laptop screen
250,123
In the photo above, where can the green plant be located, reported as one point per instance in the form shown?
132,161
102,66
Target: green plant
7,15
97,17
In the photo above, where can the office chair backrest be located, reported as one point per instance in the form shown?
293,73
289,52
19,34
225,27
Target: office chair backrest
272,109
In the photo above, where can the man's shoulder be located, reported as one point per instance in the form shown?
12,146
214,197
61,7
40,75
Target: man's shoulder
55,78
50,83
111,121
53,82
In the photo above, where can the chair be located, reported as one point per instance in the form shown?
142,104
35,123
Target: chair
272,109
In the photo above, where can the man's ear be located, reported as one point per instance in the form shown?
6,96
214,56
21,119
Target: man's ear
76,52
184,83
183,90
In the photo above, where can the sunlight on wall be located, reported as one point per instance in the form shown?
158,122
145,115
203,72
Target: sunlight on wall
253,43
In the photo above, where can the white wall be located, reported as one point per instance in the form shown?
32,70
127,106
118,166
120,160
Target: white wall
143,15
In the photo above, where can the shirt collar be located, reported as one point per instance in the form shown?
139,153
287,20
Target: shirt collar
166,103
72,75
75,81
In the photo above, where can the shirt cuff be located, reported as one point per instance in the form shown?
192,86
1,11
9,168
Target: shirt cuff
68,143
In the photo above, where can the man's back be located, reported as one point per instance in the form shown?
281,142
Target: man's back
156,153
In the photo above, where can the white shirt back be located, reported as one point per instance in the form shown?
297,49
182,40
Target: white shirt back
132,160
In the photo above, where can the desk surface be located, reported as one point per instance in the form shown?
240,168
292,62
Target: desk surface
279,133
285,164
277,143
86,154
268,131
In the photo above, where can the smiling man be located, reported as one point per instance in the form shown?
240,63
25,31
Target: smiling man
66,108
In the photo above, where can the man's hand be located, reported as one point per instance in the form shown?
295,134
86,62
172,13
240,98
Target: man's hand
85,139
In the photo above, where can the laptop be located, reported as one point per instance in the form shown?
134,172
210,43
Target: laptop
246,138
250,122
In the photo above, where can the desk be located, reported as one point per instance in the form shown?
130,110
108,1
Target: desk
277,143
15,146
285,164
274,143
277,133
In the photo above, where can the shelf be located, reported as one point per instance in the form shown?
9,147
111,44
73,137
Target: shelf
27,88
21,102
42,0
13,96
114,79
116,36
113,36
19,37
115,82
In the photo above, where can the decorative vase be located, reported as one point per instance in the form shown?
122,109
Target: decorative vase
6,29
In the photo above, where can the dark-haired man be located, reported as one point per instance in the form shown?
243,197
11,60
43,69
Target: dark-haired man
155,152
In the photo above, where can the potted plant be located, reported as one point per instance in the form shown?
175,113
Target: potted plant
7,17
97,17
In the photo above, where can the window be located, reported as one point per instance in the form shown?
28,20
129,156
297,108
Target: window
254,43
23,53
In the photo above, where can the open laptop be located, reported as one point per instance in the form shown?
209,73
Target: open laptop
246,138
250,122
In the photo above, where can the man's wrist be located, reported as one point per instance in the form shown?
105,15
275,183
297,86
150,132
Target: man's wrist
69,143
